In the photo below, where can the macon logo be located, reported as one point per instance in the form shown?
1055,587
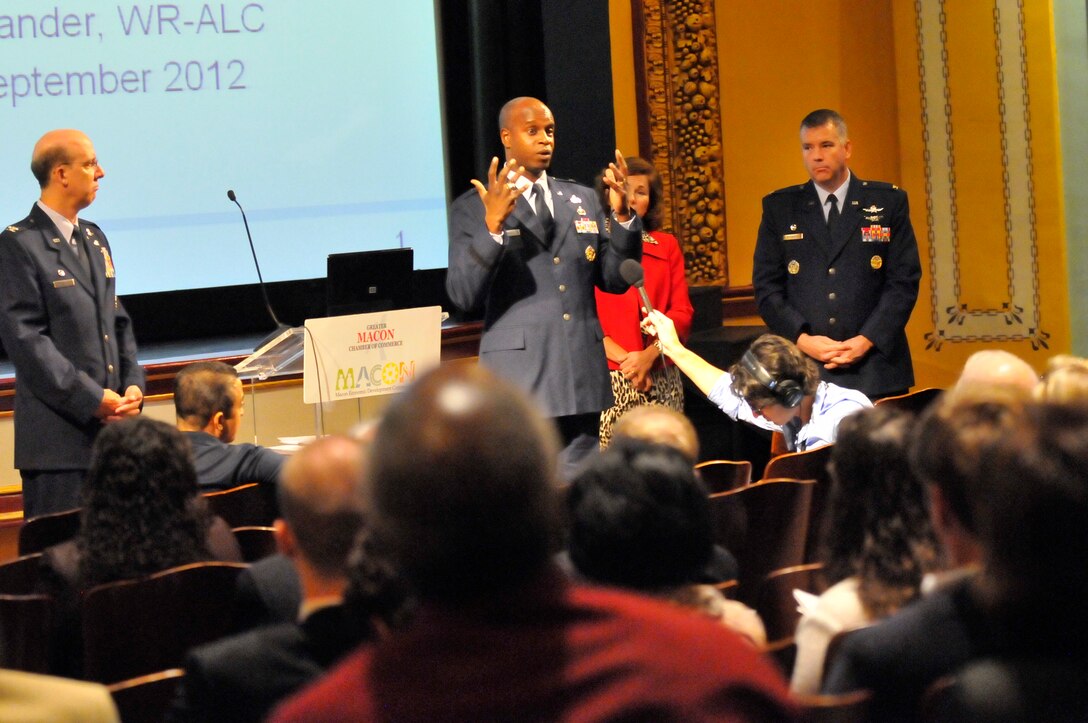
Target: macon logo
386,374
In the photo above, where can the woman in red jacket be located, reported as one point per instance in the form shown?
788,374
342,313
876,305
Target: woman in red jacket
640,374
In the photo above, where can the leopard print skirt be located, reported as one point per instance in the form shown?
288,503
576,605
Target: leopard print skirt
668,391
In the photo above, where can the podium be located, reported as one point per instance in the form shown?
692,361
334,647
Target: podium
282,355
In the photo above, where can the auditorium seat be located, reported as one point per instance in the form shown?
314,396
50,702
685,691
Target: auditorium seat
257,542
20,576
722,475
147,698
764,525
44,531
135,627
845,708
25,622
246,505
774,597
914,402
811,464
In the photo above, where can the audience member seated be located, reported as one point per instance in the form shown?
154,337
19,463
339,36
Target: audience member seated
774,386
1066,380
241,678
209,404
658,423
877,539
499,633
899,658
142,513
639,519
997,368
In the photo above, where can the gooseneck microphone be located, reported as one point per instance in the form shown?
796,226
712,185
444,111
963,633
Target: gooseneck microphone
280,326
632,273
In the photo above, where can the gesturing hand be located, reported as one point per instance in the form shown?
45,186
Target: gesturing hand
615,177
501,192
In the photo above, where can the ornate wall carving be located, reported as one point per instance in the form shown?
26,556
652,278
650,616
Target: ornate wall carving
679,125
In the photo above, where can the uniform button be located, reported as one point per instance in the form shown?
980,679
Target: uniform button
831,296
109,368
831,321
562,287
566,317
106,337
831,271
556,261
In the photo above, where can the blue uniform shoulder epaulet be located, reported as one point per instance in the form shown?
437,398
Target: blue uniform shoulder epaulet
796,188
879,186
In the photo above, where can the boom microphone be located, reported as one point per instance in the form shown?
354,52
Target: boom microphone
280,326
632,273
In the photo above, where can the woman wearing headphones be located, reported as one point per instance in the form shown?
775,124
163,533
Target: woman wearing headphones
774,386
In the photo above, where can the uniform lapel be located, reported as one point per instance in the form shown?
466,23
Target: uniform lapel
65,257
525,217
813,217
92,246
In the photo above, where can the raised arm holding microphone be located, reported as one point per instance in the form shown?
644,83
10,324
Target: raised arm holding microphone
774,386
527,250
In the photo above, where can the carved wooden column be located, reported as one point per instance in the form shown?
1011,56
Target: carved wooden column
676,56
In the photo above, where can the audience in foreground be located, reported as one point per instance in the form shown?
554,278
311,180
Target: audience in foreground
877,539
640,519
462,493
900,657
142,513
241,678
774,386
209,404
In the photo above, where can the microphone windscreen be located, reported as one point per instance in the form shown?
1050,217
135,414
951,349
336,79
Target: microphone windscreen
230,195
631,271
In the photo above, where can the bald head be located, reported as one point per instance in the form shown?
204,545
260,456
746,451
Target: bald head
319,500
656,423
66,166
996,367
462,483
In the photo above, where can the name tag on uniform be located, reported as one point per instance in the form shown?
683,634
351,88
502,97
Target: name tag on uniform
513,232
64,282
793,237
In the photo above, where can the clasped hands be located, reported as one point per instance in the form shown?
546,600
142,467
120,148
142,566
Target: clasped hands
114,407
505,184
834,354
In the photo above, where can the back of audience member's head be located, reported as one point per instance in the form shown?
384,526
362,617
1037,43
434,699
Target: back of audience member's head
141,513
660,424
1035,529
997,367
639,518
878,527
951,439
462,491
203,389
319,500
782,360
1066,380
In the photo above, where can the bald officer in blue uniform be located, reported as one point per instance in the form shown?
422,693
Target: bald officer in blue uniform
528,249
836,266
63,327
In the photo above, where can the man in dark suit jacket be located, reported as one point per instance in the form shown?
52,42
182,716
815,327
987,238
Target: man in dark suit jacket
836,266
528,250
63,327
242,677
209,404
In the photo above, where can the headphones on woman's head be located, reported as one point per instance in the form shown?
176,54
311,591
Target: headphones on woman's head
788,392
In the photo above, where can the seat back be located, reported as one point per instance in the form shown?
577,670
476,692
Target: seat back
246,505
20,576
25,624
811,464
44,531
764,525
136,627
256,542
775,602
146,699
914,402
722,475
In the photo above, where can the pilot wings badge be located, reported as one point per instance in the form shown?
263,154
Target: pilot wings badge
872,209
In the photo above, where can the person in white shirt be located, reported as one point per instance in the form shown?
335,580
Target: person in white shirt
774,386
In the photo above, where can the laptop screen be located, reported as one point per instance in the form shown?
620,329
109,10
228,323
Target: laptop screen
363,282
